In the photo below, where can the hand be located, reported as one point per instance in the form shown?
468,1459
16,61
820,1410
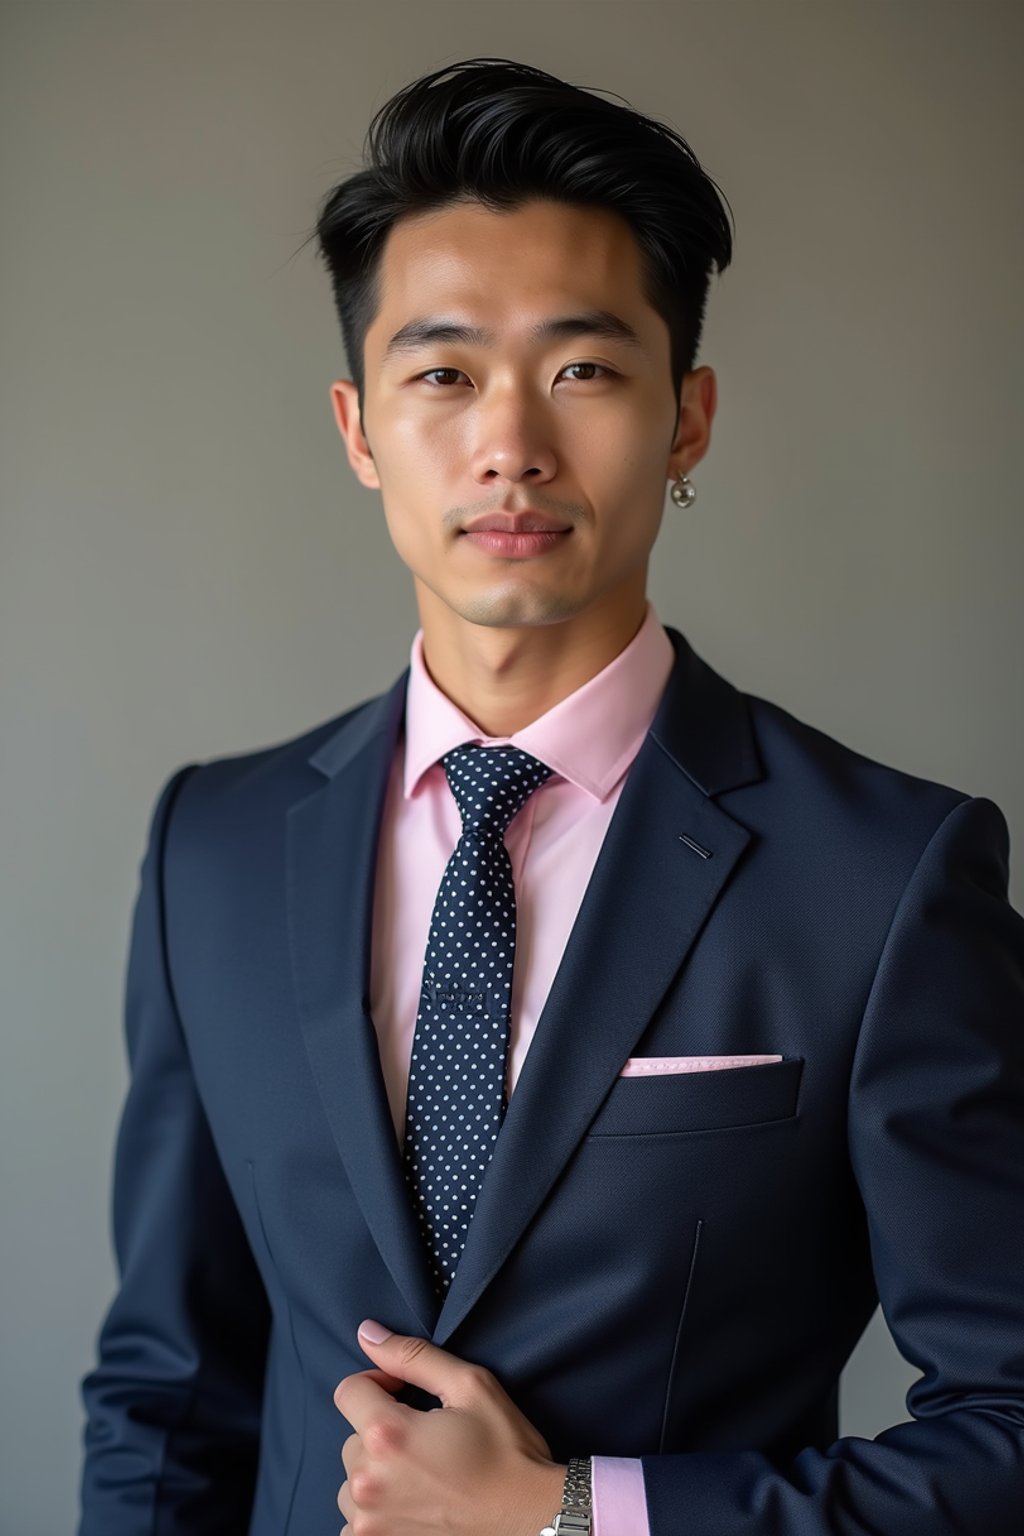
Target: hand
474,1467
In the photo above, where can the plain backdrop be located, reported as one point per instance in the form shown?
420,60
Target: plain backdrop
188,568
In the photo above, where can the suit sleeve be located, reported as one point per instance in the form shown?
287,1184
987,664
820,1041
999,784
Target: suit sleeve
936,1138
173,1404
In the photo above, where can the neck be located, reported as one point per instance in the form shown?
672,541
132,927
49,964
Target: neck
505,678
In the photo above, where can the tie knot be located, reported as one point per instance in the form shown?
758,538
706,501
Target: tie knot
491,784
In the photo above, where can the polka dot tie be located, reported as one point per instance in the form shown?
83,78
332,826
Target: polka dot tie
456,1099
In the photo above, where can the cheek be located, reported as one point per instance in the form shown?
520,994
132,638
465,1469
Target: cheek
407,520
632,539
619,444
624,477
626,485
428,436
414,496
415,467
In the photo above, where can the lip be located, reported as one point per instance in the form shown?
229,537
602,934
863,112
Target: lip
515,522
515,546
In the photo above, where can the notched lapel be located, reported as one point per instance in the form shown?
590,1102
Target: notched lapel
332,846
646,903
647,900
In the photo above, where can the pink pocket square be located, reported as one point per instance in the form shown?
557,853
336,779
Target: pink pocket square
665,1066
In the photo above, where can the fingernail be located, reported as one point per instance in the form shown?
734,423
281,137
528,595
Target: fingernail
376,1333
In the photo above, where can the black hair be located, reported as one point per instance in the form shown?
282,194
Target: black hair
502,133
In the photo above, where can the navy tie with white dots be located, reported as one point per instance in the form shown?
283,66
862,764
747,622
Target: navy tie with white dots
456,1098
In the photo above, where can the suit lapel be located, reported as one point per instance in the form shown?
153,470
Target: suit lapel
332,844
646,902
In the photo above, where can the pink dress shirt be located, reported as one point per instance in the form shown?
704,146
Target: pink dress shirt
589,739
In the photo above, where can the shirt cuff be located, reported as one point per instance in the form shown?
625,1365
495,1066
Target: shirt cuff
617,1497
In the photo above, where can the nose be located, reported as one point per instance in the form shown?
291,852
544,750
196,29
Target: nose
513,442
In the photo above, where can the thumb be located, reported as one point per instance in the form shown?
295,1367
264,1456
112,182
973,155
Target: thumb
419,1362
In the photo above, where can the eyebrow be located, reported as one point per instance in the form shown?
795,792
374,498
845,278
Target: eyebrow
427,331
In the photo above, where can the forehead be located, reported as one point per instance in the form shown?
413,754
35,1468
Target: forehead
478,262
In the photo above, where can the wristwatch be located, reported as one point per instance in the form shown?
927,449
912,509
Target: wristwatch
573,1519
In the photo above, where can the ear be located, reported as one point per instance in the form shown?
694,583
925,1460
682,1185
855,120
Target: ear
698,400
345,403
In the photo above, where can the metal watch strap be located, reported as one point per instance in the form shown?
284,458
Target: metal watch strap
573,1519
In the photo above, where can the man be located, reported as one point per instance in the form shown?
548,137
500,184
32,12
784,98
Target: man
606,1041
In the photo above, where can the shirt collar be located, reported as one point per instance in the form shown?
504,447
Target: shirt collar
590,737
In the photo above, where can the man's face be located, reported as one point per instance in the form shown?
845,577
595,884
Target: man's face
478,403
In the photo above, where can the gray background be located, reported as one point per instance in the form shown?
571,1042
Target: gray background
189,569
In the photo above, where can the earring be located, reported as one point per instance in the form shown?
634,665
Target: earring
683,492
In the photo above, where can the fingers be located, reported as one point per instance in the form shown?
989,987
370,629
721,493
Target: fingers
351,1452
361,1399
392,1384
416,1360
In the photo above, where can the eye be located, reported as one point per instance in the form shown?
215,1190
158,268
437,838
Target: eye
601,369
429,375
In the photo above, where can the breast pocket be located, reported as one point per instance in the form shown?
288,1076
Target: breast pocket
676,1104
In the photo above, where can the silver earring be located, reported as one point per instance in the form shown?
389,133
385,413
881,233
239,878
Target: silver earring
683,492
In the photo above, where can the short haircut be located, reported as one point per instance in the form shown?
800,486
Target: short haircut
501,133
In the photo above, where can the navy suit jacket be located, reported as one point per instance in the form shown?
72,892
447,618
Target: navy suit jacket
673,1268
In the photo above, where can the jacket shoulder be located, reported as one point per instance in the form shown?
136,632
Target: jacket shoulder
786,737
211,793
836,785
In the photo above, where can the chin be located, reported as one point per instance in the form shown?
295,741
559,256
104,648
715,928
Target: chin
511,610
